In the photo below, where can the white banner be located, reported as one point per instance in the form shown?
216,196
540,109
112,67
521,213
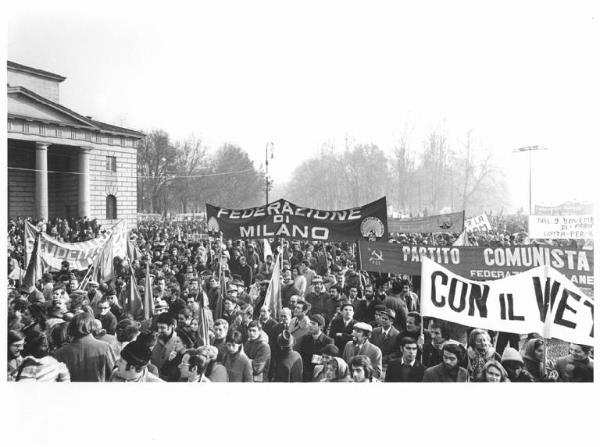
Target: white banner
478,223
539,300
80,255
561,227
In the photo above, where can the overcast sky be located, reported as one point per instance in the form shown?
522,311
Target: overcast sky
249,72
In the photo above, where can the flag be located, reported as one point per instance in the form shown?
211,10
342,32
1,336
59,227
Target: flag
148,298
273,296
266,249
135,306
221,297
203,319
34,268
462,240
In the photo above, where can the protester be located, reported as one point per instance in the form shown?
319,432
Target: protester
236,362
514,366
312,345
132,366
289,366
493,371
577,366
533,358
408,368
361,369
479,352
360,345
87,359
449,370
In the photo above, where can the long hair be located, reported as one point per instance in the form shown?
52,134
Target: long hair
496,364
362,361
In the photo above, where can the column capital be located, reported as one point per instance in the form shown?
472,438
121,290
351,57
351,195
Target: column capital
41,146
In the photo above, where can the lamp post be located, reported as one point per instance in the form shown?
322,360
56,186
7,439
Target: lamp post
270,144
529,149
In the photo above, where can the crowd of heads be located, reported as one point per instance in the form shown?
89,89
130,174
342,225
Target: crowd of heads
210,320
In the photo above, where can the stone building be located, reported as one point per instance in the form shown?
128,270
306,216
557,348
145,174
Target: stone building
61,163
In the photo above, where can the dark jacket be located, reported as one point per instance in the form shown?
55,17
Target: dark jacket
310,347
337,326
388,344
439,373
88,359
398,372
260,354
289,367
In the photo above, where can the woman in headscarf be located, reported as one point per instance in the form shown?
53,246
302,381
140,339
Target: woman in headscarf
333,369
533,358
479,352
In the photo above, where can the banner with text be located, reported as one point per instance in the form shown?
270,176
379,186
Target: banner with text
80,255
566,208
478,223
540,300
561,227
480,263
442,223
287,220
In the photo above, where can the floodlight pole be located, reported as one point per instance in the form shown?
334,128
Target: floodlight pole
529,149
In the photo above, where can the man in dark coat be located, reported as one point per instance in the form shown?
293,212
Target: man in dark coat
407,368
449,370
320,301
87,359
385,337
289,364
313,344
341,327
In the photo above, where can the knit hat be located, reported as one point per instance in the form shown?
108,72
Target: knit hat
58,286
136,354
285,339
511,354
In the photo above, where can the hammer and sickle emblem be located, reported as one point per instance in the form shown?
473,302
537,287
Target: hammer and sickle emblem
376,257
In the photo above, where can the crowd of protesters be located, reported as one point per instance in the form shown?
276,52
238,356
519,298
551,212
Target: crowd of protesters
337,323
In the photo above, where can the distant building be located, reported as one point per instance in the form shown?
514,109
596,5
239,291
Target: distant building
61,163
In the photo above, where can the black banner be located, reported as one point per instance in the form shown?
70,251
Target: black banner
479,263
289,221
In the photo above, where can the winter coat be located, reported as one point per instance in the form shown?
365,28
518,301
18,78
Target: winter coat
368,349
162,349
46,369
88,359
259,353
238,366
439,373
309,347
338,327
289,367
387,344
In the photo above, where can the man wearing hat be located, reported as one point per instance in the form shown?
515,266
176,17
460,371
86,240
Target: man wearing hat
320,301
289,362
313,344
360,345
132,366
385,337
341,327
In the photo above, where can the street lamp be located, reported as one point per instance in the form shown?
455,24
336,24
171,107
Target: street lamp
529,149
270,145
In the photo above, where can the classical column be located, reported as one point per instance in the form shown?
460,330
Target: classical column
84,182
41,180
